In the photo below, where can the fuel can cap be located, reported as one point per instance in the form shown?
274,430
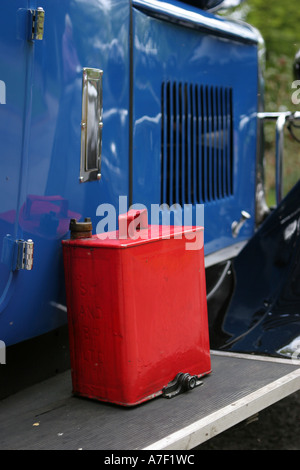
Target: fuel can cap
81,229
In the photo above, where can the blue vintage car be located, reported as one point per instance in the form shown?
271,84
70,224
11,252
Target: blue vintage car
118,104
109,105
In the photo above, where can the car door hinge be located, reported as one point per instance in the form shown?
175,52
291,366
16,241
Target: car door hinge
37,19
17,254
24,255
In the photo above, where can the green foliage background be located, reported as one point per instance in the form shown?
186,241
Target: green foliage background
279,23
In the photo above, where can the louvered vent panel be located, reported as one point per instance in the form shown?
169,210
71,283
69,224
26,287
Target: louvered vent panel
196,143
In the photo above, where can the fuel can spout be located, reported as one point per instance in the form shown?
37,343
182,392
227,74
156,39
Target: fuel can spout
81,229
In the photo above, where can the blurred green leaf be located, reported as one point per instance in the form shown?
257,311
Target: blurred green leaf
279,23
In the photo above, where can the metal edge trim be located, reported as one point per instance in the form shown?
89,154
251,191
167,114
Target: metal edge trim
256,357
189,16
232,414
224,254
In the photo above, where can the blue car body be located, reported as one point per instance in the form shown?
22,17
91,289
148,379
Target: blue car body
180,102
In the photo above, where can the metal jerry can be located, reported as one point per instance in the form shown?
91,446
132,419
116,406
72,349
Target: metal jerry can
137,311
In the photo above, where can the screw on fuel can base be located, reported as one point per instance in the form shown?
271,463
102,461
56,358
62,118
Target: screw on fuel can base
137,311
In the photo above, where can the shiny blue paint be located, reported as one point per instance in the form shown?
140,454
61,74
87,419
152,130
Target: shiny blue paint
40,144
163,52
14,131
40,131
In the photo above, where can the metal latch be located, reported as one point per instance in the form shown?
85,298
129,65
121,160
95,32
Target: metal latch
182,383
37,24
237,225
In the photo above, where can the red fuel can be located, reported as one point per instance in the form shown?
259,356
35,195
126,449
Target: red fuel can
137,311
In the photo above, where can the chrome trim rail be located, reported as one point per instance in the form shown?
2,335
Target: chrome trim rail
281,118
187,15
